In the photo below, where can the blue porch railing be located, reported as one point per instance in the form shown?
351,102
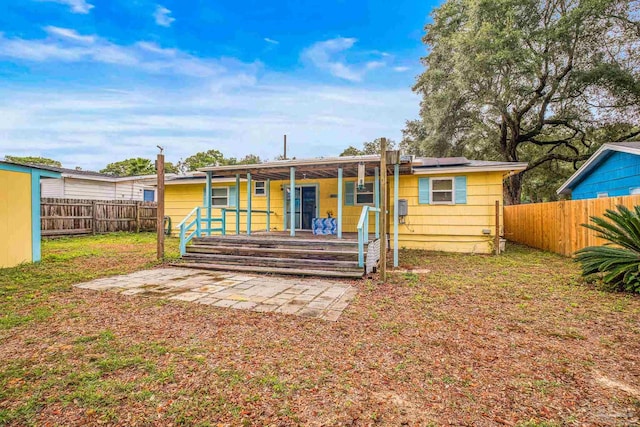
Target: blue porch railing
194,221
363,232
197,224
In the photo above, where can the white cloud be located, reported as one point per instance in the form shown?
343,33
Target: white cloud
400,69
94,127
66,45
330,55
162,16
271,41
69,34
77,6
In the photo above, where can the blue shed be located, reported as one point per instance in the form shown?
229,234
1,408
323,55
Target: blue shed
613,170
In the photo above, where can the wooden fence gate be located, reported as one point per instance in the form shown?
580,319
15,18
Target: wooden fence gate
61,217
556,226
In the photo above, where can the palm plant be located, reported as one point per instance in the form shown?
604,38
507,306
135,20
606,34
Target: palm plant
618,260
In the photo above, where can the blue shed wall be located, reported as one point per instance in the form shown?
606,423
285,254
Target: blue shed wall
616,175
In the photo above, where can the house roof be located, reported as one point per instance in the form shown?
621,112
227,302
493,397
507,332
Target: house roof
630,147
88,175
48,172
432,166
324,167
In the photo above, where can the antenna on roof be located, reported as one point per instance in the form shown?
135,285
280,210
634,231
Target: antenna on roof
285,148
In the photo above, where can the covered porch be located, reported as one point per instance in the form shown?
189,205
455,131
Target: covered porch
351,184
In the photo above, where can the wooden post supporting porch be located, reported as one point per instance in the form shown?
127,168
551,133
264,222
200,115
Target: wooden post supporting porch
237,203
207,195
248,204
292,201
340,185
268,191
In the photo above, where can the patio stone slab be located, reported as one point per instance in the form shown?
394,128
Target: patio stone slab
288,296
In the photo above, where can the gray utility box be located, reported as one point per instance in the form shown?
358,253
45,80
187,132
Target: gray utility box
403,207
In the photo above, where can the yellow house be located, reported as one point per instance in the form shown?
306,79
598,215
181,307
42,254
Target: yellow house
446,204
20,212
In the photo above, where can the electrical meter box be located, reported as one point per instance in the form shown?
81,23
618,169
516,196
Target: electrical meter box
403,207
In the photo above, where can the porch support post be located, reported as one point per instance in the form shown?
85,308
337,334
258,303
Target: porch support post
237,203
248,204
376,200
396,185
268,190
340,185
292,201
207,195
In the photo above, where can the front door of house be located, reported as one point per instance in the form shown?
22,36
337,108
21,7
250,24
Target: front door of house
305,209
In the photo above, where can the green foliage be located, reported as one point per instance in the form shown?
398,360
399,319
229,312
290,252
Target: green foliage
32,160
131,167
370,147
212,158
528,80
620,263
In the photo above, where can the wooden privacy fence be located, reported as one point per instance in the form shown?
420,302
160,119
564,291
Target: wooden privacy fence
556,226
60,217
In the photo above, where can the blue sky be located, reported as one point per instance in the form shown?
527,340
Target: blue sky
88,82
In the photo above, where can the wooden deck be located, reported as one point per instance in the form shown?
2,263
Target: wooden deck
305,254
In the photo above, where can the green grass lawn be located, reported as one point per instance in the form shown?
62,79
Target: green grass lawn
479,340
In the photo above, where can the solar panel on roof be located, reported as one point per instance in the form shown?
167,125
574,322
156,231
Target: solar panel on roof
428,162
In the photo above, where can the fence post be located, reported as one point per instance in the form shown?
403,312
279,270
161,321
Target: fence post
94,215
137,206
497,238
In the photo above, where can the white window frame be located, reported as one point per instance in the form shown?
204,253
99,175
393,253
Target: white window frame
219,197
602,194
372,192
453,190
634,191
264,188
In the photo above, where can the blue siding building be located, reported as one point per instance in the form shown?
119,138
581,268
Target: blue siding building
613,170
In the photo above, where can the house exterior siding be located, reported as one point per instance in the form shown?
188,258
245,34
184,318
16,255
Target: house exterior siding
15,218
453,227
615,176
91,189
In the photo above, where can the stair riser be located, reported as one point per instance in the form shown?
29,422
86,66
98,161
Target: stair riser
274,262
277,243
328,256
273,270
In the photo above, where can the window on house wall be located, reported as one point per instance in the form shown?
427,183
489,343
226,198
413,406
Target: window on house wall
259,188
364,195
602,194
634,191
442,190
220,196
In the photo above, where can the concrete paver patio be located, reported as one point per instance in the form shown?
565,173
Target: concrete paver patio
303,297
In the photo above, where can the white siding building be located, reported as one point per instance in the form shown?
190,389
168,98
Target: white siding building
77,184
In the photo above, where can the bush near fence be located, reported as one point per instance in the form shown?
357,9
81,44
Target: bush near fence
556,226
60,217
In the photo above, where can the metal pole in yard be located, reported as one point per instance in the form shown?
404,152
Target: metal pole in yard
160,215
385,205
497,237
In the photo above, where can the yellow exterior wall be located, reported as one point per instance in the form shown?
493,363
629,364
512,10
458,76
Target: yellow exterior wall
180,199
451,228
15,218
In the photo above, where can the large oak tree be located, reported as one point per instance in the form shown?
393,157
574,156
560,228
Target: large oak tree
540,81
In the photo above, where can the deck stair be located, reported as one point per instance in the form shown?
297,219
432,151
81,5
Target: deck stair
262,253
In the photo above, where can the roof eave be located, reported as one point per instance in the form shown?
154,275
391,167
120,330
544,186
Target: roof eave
515,167
592,162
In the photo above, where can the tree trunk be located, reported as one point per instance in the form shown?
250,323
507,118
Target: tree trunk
513,189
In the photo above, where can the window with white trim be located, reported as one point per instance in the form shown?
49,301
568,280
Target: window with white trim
634,191
220,196
602,195
441,191
364,195
259,188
